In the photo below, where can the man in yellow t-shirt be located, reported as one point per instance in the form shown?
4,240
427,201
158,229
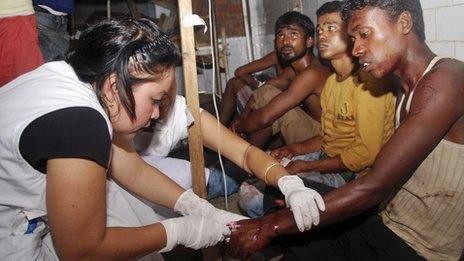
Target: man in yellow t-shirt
357,113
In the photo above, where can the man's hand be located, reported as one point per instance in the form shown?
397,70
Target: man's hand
283,152
298,166
251,235
233,128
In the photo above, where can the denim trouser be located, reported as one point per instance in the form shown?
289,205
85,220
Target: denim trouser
53,35
216,184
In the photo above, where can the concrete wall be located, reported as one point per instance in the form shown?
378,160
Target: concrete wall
444,26
263,15
444,23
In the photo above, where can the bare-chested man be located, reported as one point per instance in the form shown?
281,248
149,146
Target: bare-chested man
277,111
418,175
240,87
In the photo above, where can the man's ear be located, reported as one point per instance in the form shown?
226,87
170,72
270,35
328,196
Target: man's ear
309,42
405,22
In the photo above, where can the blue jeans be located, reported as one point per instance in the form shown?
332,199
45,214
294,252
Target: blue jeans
216,184
234,177
53,34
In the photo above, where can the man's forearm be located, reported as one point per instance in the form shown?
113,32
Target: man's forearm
253,122
249,80
311,145
330,165
341,204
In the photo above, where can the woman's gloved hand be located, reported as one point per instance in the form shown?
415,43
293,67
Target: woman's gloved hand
304,202
193,231
190,204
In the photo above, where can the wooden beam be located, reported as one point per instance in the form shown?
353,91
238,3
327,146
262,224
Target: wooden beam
133,9
191,90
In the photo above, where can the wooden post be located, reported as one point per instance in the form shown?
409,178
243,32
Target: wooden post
133,9
191,90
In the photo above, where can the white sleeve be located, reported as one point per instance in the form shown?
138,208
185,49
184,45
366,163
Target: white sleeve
167,133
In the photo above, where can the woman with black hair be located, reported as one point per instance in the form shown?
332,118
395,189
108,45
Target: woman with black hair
63,141
71,185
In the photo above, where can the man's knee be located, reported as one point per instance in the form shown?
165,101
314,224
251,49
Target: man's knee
234,85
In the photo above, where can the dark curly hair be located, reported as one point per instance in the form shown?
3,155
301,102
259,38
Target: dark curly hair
393,7
295,18
124,47
330,7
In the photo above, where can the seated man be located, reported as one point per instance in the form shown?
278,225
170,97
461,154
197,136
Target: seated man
357,117
277,111
239,88
357,112
417,175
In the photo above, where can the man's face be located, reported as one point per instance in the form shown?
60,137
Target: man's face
291,43
377,41
333,39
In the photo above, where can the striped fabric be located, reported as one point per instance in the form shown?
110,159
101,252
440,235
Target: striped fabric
428,211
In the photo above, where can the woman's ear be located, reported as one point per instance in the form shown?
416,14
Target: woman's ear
109,92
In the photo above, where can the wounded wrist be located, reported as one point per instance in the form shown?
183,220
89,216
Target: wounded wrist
279,223
270,225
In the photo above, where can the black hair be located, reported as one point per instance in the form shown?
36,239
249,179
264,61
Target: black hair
127,48
295,18
393,7
330,7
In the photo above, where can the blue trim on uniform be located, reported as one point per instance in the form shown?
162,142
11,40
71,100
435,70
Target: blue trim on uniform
31,226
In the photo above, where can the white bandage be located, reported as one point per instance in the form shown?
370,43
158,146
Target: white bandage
284,161
304,202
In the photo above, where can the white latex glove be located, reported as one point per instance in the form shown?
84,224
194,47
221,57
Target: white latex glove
193,231
190,204
304,202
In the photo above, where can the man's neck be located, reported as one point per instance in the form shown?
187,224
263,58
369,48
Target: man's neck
413,64
302,63
344,66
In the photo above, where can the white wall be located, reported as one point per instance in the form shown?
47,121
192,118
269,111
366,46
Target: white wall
444,23
444,26
444,30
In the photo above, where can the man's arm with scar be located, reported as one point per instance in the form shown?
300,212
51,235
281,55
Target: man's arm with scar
436,107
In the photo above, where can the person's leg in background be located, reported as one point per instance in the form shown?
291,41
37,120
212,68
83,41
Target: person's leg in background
53,34
228,104
233,178
19,47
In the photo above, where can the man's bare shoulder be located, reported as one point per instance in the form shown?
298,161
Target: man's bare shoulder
317,67
442,90
314,74
453,70
446,76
